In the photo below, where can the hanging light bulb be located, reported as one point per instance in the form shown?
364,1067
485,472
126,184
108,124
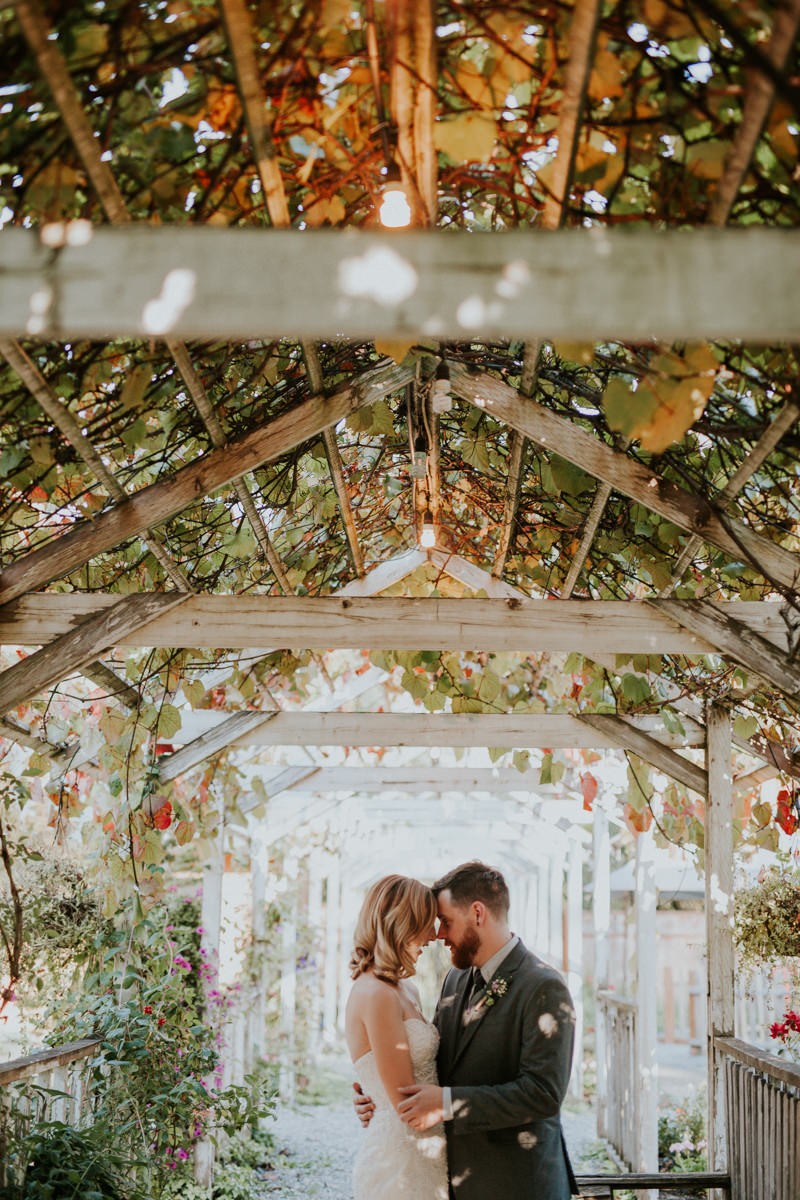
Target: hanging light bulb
395,211
419,461
427,536
441,397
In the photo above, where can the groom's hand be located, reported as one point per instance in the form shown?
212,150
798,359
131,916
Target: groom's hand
364,1105
422,1107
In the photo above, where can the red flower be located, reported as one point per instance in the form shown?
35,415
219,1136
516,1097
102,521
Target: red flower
148,1008
162,1021
778,1030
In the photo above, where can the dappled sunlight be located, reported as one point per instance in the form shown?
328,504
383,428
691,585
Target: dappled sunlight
162,314
380,274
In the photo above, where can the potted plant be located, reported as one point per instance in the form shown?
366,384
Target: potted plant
767,917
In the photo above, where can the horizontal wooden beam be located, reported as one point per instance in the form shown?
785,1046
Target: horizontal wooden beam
410,781
624,474
160,501
81,645
81,281
512,730
397,623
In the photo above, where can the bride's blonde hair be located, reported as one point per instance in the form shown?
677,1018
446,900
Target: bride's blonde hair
396,910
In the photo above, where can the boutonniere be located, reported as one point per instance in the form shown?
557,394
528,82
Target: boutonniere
495,991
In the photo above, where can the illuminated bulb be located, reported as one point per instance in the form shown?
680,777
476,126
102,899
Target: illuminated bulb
427,537
395,211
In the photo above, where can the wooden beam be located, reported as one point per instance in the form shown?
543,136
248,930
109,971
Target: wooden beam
410,781
157,503
404,623
56,72
736,640
576,78
513,730
757,104
73,650
586,284
628,737
625,475
237,726
758,455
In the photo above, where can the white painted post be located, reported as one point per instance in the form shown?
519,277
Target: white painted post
259,870
575,956
348,911
332,906
719,920
211,923
288,988
314,949
601,925
646,1002
556,910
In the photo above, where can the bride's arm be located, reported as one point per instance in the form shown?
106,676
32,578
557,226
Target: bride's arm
383,1021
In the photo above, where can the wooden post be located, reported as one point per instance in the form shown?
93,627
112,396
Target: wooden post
556,910
259,869
601,925
211,923
719,920
646,1002
315,948
332,905
575,956
288,988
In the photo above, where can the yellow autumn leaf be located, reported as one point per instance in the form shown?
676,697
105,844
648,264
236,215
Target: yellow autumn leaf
606,79
475,86
680,403
394,348
331,210
468,137
576,352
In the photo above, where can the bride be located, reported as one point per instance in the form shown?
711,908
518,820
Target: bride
391,1044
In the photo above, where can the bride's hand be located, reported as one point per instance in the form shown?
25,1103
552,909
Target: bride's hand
363,1105
422,1107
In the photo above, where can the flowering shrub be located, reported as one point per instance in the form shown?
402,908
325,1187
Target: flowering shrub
158,1071
787,1032
682,1137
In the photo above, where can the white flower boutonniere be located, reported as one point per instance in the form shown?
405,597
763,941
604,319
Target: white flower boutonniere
495,991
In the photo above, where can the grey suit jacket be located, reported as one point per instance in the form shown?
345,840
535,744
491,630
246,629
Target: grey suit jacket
508,1068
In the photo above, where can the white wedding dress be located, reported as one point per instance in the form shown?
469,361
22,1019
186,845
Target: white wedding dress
394,1160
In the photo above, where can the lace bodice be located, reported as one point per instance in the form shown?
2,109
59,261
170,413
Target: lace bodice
394,1160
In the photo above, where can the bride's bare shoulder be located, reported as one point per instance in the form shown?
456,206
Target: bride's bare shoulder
369,992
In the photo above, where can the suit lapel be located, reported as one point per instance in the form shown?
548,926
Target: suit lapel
468,1028
450,1010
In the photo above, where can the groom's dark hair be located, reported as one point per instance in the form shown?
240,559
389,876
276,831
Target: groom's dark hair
475,881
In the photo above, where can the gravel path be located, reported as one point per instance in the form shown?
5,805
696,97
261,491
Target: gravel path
316,1143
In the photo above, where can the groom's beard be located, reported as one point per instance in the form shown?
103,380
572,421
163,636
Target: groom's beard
463,954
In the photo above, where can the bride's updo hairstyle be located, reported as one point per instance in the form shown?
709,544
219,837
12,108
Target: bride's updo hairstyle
395,912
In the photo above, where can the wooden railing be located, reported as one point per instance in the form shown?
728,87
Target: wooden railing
763,1122
621,1074
51,1085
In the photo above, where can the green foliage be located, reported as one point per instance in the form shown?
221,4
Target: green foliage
56,1162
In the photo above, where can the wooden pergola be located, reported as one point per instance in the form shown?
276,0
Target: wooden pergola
117,321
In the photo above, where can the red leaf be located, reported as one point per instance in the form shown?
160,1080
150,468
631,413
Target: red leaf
162,819
785,816
589,789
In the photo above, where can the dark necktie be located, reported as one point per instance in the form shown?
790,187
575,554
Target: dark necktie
476,987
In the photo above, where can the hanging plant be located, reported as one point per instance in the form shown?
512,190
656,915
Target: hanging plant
767,917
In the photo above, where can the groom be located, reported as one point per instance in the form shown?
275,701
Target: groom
506,1026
